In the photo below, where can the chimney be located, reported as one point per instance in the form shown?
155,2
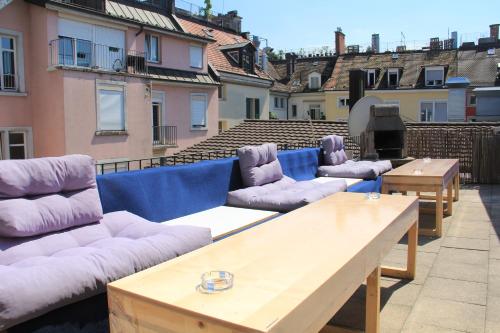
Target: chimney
171,7
291,60
375,43
357,84
339,42
494,31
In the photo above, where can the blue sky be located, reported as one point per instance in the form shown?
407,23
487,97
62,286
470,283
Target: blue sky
300,24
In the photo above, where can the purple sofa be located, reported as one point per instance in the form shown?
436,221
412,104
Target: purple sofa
267,187
56,246
338,165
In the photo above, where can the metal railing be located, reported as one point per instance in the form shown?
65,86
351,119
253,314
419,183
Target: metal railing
164,136
8,82
72,52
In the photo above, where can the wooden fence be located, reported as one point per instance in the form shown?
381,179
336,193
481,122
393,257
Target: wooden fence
477,149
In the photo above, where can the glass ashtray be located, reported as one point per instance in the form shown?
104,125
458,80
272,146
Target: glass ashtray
427,160
216,282
373,195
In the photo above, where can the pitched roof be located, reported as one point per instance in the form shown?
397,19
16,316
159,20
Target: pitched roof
410,63
479,67
224,38
299,81
150,18
255,132
167,74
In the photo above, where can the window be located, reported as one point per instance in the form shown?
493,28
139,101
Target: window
433,111
282,103
393,78
235,55
253,108
314,81
343,102
434,76
196,56
8,79
199,111
294,111
110,107
222,92
14,143
248,60
472,100
315,111
276,102
152,48
371,78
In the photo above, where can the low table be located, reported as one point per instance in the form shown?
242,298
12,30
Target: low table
292,274
437,175
224,221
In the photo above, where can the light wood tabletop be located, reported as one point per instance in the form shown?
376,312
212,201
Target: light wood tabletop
292,274
434,176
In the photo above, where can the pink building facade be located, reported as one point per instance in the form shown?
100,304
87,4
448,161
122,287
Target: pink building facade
117,82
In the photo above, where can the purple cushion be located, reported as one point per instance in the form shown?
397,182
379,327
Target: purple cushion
284,195
333,150
259,165
19,178
44,195
341,157
43,273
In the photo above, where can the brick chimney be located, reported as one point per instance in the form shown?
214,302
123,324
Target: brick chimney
170,7
291,61
494,31
339,42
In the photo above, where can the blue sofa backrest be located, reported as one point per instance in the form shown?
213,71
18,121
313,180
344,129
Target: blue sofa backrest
165,193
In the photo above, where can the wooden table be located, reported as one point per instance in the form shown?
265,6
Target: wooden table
292,274
224,221
435,176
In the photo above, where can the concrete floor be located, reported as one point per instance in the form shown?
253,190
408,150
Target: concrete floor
457,287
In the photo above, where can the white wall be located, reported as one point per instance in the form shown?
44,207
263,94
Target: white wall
233,107
304,101
280,112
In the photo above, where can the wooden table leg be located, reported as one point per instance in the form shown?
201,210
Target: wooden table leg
456,182
449,199
439,211
385,189
411,262
372,324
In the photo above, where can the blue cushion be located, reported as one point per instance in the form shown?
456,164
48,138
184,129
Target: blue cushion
367,186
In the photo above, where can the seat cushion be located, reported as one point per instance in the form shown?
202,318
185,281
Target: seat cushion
333,150
349,169
44,195
43,273
259,165
284,195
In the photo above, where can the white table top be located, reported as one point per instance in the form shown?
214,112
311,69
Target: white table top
350,181
224,220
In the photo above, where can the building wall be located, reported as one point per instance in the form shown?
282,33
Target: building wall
280,112
233,107
178,113
303,103
409,101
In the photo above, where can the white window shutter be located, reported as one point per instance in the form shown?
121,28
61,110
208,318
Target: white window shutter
199,110
196,56
111,110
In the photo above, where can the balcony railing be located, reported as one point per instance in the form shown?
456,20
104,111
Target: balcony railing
71,52
164,136
8,82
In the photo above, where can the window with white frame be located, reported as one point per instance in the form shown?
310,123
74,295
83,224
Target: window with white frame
8,72
343,102
434,111
434,76
276,102
15,143
315,111
199,104
110,107
472,100
196,56
371,78
282,103
294,111
152,48
393,77
314,81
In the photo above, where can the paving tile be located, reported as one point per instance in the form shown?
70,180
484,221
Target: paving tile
463,256
351,315
493,309
460,271
494,278
492,327
425,260
447,314
400,292
495,252
481,231
425,244
466,243
415,327
455,290
393,317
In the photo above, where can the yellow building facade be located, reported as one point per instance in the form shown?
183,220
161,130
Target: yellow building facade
411,101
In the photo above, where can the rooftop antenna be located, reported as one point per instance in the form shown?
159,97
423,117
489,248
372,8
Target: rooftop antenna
403,39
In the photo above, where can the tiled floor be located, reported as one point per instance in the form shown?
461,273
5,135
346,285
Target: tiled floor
457,287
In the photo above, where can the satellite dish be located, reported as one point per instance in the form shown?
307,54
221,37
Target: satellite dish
360,114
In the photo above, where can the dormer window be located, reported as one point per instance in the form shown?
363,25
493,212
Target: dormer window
247,60
314,81
243,55
371,78
393,77
434,76
235,55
